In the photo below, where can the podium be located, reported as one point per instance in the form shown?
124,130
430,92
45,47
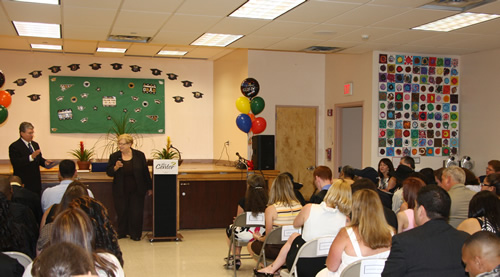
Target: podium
165,206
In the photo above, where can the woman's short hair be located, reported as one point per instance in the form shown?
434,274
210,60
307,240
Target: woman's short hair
495,164
411,186
126,137
282,191
323,172
494,181
339,196
456,173
63,259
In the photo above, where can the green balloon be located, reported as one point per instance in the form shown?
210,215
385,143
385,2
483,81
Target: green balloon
4,113
257,105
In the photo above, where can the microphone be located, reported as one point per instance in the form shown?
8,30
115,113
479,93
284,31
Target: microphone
241,158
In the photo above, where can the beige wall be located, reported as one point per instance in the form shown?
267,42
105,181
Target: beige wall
229,72
480,108
189,124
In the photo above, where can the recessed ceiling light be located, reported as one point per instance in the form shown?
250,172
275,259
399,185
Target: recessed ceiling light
265,9
33,29
457,21
46,46
50,2
111,50
221,40
172,53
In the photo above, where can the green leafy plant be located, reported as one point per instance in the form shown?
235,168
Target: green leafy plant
122,125
82,154
168,153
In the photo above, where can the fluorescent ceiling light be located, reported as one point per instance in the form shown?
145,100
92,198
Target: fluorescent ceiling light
221,40
457,21
172,53
265,9
50,2
46,46
111,50
32,29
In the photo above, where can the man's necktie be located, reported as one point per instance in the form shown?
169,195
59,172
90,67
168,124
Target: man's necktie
30,148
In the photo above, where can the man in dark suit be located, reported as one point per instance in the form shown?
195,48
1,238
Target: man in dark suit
24,196
433,248
26,158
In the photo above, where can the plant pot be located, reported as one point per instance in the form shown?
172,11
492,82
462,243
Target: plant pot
83,165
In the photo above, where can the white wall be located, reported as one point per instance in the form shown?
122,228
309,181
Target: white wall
293,79
189,124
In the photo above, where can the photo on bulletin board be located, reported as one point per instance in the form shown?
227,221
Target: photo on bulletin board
418,105
92,104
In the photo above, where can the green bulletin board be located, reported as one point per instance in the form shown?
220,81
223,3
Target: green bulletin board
90,104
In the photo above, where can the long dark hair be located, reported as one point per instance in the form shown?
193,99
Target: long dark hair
74,190
387,162
257,194
486,203
10,234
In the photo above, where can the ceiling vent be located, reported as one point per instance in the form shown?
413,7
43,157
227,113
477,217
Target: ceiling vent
123,38
455,5
323,49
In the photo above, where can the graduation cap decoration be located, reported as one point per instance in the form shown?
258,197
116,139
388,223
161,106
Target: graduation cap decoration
95,66
172,76
156,71
2,79
34,97
153,117
74,67
125,110
54,68
10,91
135,68
20,82
187,83
36,73
157,101
116,66
197,94
178,99
95,108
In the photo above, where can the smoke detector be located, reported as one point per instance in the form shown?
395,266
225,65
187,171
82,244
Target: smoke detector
323,49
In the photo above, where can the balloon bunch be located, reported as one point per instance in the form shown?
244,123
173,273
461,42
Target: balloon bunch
250,105
5,100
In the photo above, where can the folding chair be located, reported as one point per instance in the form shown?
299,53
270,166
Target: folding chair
273,238
369,267
308,250
21,258
240,221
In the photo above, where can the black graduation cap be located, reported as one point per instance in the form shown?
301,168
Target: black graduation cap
156,71
135,68
20,82
178,99
187,83
54,68
116,66
172,76
36,73
197,94
95,66
74,67
10,91
34,97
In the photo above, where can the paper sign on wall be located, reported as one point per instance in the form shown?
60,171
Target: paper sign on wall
287,231
255,220
165,167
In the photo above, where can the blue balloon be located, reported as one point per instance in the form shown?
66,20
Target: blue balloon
244,122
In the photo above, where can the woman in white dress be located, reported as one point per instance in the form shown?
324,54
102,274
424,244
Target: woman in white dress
368,235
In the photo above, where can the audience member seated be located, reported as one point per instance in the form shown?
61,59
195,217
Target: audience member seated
106,238
428,176
434,247
322,180
255,201
63,259
365,183
67,174
296,189
438,175
481,255
367,236
408,161
492,183
282,202
371,174
406,219
24,196
453,180
471,181
385,170
395,185
13,236
318,220
10,267
484,214
493,167
347,173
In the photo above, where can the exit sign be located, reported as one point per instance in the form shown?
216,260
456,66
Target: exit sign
348,89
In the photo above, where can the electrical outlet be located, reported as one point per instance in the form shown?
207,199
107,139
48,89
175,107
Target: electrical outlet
226,143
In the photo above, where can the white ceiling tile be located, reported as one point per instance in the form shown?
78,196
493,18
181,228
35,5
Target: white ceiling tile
81,32
366,15
439,39
176,37
134,32
317,11
407,36
294,44
240,26
205,52
6,27
88,16
31,12
169,6
255,42
373,33
488,27
491,8
401,3
190,23
325,31
283,28
412,18
144,49
141,20
108,4
212,7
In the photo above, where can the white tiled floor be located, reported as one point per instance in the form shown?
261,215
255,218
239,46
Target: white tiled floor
200,253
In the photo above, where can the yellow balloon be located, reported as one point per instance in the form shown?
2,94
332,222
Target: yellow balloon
243,104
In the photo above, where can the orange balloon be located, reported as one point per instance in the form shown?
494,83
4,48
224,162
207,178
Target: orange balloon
252,116
5,98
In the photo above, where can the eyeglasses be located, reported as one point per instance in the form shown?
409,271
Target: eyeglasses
122,144
485,185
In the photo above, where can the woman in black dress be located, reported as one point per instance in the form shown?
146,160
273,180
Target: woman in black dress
131,182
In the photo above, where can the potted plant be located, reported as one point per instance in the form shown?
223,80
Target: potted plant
168,153
83,155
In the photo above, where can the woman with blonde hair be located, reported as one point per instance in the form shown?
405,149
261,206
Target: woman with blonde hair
367,236
325,219
282,209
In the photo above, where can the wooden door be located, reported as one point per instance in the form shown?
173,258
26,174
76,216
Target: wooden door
296,139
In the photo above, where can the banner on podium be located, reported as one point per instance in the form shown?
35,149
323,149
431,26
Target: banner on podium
165,167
